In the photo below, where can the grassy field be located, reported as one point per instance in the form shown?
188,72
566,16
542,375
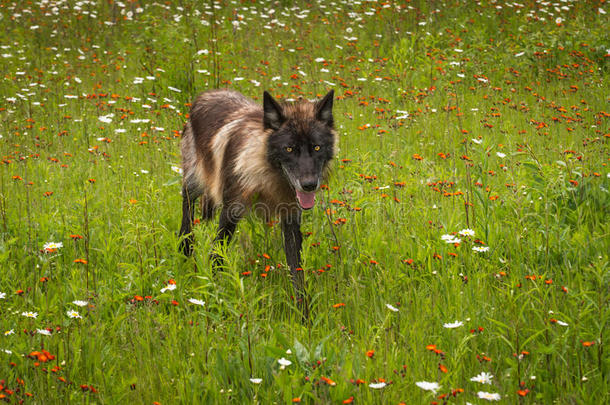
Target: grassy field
464,230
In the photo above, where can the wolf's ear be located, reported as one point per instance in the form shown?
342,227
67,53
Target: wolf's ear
324,109
273,115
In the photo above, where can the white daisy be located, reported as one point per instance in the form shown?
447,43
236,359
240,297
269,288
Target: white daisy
80,303
256,380
480,248
450,239
453,325
377,386
196,301
490,396
53,245
43,332
391,308
466,232
2,295
29,314
106,119
428,386
284,363
500,155
169,287
73,314
483,378
9,332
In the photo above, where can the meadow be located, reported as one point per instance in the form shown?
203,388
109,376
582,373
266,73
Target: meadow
458,254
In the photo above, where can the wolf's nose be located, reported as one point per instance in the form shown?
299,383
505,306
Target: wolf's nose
309,185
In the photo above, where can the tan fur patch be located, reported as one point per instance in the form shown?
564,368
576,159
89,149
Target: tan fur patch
251,164
219,145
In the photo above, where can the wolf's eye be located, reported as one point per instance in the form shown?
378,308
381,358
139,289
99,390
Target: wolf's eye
288,149
316,148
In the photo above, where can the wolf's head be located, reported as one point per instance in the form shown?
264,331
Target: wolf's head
302,142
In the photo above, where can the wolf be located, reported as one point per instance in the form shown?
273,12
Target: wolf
242,158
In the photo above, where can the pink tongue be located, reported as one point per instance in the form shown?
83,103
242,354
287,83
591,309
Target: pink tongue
307,200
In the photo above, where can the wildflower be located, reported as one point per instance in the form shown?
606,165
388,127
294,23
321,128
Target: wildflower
256,380
195,301
43,332
2,295
328,381
489,396
500,154
480,248
377,386
453,325
79,303
177,169
434,349
52,246
107,119
73,314
428,386
284,363
466,232
450,239
30,314
169,287
370,354
561,323
483,378
9,332
391,308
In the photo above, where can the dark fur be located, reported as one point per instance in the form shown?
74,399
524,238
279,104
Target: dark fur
241,157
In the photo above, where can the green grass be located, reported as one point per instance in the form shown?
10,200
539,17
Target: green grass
422,111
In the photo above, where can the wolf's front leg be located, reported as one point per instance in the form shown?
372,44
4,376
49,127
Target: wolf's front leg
229,217
291,228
